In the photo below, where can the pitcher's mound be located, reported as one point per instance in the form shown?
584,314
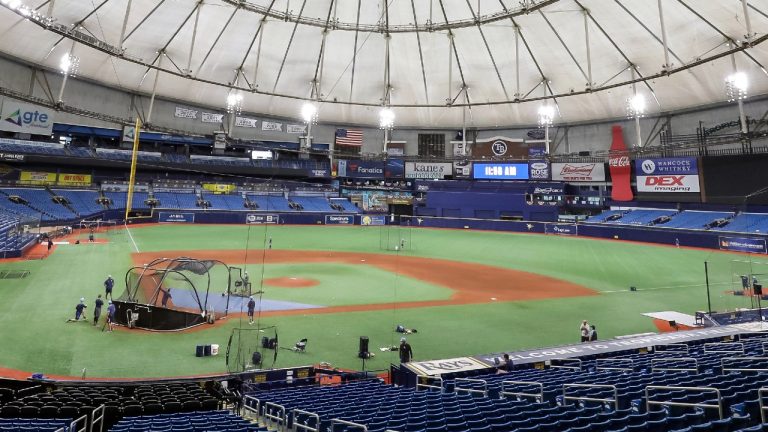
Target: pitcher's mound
291,282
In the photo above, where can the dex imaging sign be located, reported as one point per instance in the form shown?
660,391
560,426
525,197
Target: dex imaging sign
667,175
25,118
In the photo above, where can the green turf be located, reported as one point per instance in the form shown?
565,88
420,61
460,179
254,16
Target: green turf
33,311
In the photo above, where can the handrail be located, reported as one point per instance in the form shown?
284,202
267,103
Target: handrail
420,385
615,399
299,426
96,417
748,369
280,421
760,392
764,344
719,406
250,408
654,368
483,383
75,422
562,366
727,344
539,396
336,421
615,360
656,348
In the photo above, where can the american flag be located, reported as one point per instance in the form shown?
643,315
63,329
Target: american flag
349,137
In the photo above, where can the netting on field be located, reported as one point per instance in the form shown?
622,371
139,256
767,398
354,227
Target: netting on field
745,276
396,238
252,348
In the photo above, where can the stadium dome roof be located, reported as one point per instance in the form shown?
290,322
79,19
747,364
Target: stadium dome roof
420,56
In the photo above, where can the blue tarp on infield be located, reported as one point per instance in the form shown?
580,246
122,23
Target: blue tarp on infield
185,299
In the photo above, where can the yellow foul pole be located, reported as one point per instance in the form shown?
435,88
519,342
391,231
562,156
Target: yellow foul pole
134,158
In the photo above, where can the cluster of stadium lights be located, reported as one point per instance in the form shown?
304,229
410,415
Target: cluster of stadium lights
69,64
736,86
636,106
24,10
234,102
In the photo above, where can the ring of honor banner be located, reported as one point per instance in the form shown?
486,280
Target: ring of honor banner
667,175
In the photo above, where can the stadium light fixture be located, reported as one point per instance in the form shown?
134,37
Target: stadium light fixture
234,102
736,86
546,115
386,119
636,106
69,64
309,113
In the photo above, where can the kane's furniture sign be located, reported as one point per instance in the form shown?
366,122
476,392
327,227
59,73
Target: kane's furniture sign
577,171
428,170
667,175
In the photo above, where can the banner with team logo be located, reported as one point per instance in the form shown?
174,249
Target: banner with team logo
538,170
439,367
246,122
561,229
428,170
26,118
271,126
181,112
296,129
212,118
462,169
667,175
175,217
578,171
260,218
499,147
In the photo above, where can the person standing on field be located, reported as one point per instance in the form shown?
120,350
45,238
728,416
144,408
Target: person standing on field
97,309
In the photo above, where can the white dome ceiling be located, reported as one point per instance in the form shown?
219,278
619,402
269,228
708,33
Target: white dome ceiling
424,51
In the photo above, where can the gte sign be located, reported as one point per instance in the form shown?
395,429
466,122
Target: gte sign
18,117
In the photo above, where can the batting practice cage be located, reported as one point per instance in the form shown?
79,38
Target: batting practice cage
179,293
252,348
395,238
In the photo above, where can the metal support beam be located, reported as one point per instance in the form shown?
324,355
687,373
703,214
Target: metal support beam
664,42
188,70
421,52
448,97
154,87
517,62
590,83
125,24
747,22
354,53
60,99
258,53
742,115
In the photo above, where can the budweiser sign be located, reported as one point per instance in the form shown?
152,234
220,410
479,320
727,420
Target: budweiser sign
578,172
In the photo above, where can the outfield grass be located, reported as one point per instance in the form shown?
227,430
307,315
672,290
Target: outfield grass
34,336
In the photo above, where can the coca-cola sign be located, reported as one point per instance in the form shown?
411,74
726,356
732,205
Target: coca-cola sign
578,172
620,167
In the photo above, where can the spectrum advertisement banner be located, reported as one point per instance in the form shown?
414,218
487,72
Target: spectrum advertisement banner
667,175
499,171
428,170
561,229
259,218
175,217
360,169
743,244
578,171
339,219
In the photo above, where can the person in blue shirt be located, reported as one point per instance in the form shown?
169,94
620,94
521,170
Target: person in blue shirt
79,310
108,285
251,308
97,309
110,316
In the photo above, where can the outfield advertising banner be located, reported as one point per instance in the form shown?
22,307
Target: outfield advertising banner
339,219
175,217
373,220
538,170
37,178
360,169
667,175
499,171
260,218
394,169
428,170
561,229
462,169
26,118
578,171
743,244
74,179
